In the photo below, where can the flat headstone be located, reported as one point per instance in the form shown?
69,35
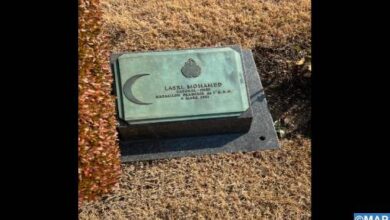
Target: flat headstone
191,92
255,118
180,85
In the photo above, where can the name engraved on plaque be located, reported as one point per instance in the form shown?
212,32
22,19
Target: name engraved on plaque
194,91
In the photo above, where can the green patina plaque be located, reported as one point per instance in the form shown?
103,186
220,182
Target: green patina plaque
180,85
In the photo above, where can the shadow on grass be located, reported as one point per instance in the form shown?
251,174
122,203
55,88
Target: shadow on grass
286,78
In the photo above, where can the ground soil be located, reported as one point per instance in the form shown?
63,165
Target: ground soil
271,184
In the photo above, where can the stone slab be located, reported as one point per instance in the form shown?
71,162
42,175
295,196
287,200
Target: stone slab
261,135
190,127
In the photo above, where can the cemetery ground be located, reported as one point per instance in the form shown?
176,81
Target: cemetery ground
274,184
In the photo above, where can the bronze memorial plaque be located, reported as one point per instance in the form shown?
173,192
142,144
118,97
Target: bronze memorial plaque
190,102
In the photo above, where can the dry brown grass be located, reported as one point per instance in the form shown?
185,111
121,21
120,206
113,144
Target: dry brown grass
148,25
260,185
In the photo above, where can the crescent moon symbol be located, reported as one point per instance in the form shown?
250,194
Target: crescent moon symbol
127,90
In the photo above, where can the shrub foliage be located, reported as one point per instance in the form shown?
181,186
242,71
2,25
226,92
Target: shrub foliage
99,161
